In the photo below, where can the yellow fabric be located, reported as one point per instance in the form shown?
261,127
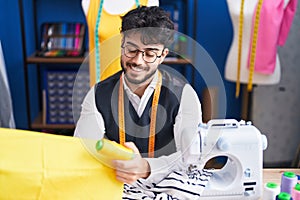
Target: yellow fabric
42,166
109,27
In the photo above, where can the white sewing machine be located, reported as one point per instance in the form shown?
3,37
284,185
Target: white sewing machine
243,145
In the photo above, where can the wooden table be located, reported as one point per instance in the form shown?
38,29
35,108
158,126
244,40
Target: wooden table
274,175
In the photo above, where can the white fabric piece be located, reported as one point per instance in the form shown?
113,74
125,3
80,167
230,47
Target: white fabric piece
6,110
177,185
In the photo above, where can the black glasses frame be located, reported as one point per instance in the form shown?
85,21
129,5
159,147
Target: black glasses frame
143,53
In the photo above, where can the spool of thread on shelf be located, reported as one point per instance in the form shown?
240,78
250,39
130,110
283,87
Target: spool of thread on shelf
271,190
283,196
288,182
296,192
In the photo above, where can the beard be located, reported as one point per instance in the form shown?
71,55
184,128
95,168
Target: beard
131,80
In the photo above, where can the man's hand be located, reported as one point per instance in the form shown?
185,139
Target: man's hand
128,171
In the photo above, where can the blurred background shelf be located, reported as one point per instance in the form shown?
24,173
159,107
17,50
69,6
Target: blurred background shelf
39,123
33,59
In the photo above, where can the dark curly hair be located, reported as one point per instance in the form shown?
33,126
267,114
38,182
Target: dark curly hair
153,23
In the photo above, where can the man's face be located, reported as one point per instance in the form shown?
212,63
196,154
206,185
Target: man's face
140,61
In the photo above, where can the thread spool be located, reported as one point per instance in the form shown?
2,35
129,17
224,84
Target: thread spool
288,182
113,150
296,192
283,196
271,190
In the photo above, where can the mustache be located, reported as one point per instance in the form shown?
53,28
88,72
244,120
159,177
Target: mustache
131,64
128,64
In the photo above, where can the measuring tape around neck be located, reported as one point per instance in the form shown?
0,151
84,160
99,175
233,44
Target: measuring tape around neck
97,40
121,117
253,46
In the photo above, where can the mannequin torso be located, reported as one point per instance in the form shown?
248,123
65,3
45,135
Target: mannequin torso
109,28
116,7
234,7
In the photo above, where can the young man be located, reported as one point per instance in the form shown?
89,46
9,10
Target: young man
144,106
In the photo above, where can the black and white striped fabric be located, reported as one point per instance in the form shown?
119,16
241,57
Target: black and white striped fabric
178,185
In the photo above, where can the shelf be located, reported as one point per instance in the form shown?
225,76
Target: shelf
39,124
33,59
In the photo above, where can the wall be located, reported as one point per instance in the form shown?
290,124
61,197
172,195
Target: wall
276,108
12,49
212,29
214,32
11,39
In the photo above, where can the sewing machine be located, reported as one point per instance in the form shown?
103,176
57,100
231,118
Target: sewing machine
242,144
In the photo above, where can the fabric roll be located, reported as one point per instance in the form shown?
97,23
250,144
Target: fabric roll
43,166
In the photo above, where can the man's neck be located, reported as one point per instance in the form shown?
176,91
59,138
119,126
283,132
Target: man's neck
138,89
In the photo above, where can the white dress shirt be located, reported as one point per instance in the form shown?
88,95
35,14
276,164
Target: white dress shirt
91,124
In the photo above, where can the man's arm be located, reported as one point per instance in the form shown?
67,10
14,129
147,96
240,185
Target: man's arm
128,171
90,124
189,115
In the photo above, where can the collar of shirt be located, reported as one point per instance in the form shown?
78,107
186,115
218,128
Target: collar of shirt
138,103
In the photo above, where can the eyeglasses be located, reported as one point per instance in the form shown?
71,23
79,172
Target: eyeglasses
149,56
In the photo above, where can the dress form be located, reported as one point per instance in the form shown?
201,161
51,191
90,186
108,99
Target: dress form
109,27
234,7
231,68
117,6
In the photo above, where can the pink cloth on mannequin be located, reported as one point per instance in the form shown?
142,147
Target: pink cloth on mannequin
274,25
287,20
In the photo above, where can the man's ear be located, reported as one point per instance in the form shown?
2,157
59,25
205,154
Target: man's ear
122,40
164,54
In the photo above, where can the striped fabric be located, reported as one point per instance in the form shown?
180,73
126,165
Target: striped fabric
177,185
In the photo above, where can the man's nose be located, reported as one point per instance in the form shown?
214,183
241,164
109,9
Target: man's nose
139,57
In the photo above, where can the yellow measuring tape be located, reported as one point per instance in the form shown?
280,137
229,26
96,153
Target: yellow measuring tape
151,143
253,46
121,113
240,41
